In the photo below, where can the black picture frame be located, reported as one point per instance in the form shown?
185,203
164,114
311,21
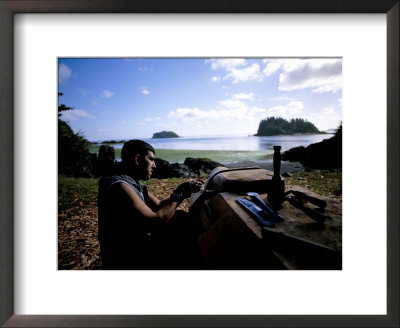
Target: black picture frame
10,7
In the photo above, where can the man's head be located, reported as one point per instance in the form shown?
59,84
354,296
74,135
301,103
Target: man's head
138,157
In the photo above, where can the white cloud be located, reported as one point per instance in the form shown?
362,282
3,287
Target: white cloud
295,107
291,110
271,67
328,111
144,90
149,119
235,69
107,93
227,110
231,103
325,75
257,110
322,75
283,98
64,73
74,114
226,63
327,118
244,74
247,96
215,79
279,111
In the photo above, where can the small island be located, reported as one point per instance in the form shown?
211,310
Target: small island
276,125
165,134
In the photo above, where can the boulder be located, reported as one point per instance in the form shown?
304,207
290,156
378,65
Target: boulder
166,170
106,160
326,154
204,164
296,154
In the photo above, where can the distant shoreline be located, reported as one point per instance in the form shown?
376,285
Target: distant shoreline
292,134
113,142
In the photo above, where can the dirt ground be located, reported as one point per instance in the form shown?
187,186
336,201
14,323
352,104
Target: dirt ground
78,246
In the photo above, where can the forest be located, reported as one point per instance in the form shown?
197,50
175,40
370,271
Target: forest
277,125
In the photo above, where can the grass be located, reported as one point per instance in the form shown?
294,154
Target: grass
323,182
75,193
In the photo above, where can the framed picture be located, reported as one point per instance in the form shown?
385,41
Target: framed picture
238,315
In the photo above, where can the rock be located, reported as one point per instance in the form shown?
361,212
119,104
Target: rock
84,259
326,154
106,160
296,154
166,170
205,164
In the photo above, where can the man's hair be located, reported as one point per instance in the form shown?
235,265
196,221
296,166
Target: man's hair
133,147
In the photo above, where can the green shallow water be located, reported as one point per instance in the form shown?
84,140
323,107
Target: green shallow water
221,156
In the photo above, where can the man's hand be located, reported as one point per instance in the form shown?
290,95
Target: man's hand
187,188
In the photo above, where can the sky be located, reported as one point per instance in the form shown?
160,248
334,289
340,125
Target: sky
127,98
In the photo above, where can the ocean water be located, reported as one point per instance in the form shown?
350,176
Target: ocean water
237,143
232,149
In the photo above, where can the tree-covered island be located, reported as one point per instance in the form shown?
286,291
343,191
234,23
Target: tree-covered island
277,125
165,134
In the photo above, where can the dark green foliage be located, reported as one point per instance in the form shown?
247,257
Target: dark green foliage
74,158
276,125
165,134
112,142
338,133
62,107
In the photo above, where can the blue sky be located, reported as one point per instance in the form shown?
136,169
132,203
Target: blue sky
133,98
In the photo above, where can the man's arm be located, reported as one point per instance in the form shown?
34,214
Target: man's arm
183,191
166,208
156,202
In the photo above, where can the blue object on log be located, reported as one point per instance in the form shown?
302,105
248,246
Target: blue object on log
259,214
255,197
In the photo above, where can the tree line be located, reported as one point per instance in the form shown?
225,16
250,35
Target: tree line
277,125
74,158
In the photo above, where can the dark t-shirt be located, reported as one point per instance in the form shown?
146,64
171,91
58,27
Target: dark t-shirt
127,239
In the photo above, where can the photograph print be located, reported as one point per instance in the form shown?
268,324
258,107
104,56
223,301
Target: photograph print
199,163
